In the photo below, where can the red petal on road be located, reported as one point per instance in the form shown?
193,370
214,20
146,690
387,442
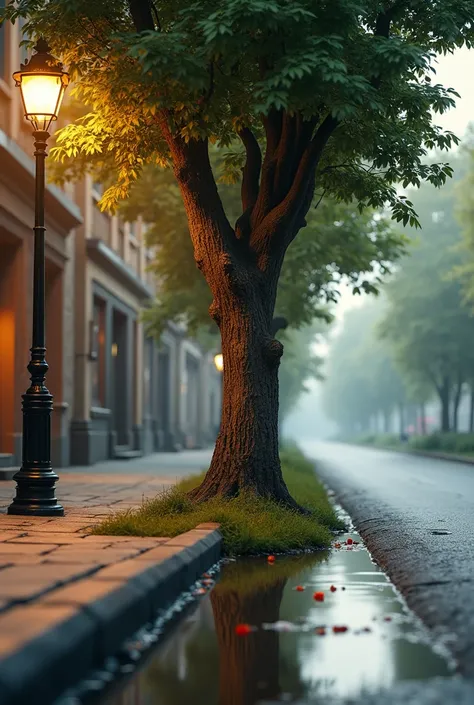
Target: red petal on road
319,596
243,629
339,629
387,619
337,545
271,559
299,588
321,631
349,541
333,588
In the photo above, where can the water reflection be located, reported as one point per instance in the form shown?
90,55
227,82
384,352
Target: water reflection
204,662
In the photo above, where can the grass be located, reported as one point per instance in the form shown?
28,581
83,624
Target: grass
249,524
449,443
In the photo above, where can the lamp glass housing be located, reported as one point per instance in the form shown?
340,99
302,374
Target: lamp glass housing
42,82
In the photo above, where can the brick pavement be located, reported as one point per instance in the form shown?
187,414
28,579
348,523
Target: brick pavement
85,590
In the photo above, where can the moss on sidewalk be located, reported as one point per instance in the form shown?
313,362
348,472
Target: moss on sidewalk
249,524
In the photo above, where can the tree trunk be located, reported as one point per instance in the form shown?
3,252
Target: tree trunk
402,419
246,454
456,403
444,396
471,411
422,419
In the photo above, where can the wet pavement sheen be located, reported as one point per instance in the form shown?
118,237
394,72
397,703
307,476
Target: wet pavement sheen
292,651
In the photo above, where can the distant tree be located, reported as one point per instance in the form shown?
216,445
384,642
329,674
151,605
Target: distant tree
362,384
430,329
299,365
327,98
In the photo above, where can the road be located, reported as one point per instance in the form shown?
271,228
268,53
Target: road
402,505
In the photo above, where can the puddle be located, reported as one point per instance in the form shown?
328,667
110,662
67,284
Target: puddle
205,662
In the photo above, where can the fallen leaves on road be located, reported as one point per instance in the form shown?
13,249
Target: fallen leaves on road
333,588
320,631
337,545
340,629
318,596
299,588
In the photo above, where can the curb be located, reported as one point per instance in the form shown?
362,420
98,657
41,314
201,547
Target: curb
93,617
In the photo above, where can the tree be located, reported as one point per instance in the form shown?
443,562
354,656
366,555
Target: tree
299,364
328,97
313,269
427,323
362,384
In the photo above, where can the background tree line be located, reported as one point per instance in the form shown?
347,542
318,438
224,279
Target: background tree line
414,344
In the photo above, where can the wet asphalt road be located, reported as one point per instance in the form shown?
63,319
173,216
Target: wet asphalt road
401,505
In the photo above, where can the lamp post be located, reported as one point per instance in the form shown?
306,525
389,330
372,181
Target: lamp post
42,82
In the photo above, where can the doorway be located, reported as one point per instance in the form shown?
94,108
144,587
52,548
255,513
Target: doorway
120,381
7,348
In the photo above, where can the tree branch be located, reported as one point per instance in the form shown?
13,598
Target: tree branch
251,170
278,218
141,15
273,127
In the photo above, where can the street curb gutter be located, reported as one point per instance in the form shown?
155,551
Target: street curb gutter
96,615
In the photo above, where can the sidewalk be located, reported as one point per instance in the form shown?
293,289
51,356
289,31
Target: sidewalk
68,599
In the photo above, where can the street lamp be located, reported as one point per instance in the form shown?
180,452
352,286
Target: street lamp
219,362
42,82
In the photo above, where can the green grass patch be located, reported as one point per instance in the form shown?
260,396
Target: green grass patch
249,524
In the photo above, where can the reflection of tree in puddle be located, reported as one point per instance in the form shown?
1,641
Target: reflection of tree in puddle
201,667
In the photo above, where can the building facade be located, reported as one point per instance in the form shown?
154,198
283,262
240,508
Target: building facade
117,393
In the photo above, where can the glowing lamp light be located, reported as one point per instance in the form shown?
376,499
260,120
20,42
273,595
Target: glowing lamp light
42,82
219,362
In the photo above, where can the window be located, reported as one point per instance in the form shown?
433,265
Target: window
98,345
3,67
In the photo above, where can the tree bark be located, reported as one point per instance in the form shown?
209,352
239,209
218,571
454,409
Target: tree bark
445,398
246,455
456,403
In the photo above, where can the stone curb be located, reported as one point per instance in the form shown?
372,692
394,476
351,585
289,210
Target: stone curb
94,616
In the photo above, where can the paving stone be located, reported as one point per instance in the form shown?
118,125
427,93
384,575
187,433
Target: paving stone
32,548
58,539
44,648
64,527
19,559
7,535
99,556
20,583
